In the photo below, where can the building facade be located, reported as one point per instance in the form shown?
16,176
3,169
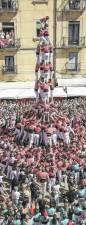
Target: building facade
19,25
71,38
20,21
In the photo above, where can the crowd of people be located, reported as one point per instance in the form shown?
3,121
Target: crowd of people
43,162
7,39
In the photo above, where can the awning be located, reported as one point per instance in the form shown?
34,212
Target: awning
59,92
15,93
27,93
8,94
76,91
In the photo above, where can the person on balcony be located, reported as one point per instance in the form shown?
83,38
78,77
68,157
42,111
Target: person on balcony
13,4
2,37
2,34
9,4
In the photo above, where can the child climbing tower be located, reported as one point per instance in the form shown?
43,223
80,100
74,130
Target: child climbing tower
44,70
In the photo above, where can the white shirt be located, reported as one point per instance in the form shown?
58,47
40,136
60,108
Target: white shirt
57,187
1,177
15,195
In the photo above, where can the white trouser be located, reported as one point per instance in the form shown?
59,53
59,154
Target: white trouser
46,100
36,139
46,97
50,140
57,198
59,176
24,137
31,139
51,183
61,135
76,177
38,59
57,134
46,118
50,57
15,201
43,186
2,166
42,73
65,180
46,76
41,92
9,170
51,74
66,138
37,95
42,56
46,57
54,137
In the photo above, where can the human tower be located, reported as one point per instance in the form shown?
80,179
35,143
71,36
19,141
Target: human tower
44,84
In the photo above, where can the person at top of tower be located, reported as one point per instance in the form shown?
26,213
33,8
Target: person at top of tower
44,19
44,22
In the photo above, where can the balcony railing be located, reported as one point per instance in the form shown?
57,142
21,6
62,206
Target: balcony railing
39,1
72,67
9,43
74,5
69,42
8,6
9,69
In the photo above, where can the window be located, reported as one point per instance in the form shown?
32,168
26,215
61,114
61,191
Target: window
73,61
74,4
8,27
9,64
6,4
73,33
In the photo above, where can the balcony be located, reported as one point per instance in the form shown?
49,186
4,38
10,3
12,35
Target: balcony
71,43
72,67
39,1
9,69
8,6
74,5
13,44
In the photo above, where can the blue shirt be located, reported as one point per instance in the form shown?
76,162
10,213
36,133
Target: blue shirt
64,222
82,193
75,167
